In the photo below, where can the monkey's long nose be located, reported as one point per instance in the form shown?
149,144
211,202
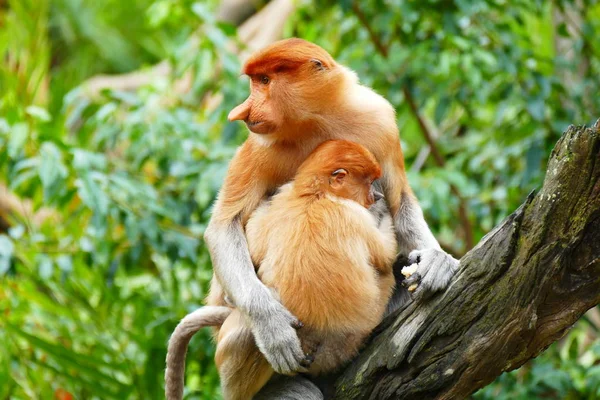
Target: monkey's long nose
241,112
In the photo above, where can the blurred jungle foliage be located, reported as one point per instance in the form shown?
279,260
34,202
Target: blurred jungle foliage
104,195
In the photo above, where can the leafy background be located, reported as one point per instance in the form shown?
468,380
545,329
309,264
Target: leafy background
105,253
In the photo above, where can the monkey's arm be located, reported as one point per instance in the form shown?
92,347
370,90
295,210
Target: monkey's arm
381,242
274,327
435,267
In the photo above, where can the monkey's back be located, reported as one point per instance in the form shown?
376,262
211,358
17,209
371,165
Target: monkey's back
314,256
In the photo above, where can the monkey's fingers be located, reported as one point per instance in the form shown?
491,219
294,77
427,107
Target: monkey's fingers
314,348
415,256
296,359
308,360
412,282
298,365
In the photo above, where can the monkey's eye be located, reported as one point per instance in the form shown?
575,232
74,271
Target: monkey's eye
264,79
341,172
317,63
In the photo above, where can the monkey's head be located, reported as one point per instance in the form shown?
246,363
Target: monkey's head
342,168
292,83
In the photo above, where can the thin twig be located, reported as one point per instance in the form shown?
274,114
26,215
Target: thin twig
441,162
382,48
437,155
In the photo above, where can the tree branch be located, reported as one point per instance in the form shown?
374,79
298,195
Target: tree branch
437,156
12,209
519,290
381,48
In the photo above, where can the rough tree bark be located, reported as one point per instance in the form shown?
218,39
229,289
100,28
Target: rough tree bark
517,291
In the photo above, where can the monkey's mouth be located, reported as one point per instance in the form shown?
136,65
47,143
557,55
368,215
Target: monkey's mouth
252,124
257,126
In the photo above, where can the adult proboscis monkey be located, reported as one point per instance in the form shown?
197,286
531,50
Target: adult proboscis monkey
300,97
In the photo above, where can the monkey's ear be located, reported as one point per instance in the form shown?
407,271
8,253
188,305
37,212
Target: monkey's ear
337,177
318,64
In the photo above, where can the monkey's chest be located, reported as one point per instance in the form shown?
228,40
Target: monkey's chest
282,162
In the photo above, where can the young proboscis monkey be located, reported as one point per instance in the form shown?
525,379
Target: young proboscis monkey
299,98
329,264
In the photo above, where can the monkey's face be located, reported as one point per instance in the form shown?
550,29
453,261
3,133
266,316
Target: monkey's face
358,188
259,112
292,83
283,102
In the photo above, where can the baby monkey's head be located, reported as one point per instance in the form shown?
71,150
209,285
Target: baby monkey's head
342,168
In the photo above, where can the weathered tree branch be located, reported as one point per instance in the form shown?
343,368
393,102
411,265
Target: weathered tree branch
518,291
13,208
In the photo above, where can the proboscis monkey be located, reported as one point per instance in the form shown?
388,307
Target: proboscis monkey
299,98
329,264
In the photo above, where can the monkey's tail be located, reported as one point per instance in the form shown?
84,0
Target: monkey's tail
178,344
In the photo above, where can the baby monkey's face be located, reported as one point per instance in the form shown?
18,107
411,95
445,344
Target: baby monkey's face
353,186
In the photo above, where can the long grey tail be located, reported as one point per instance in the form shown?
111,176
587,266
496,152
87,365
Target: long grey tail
178,344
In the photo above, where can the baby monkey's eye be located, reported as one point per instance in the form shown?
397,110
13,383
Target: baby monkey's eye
317,63
264,79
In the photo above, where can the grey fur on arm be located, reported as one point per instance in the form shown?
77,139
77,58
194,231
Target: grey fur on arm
434,267
273,326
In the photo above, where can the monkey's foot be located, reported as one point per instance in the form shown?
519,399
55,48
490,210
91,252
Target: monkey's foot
430,271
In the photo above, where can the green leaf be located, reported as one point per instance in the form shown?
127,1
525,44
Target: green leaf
39,113
202,11
18,137
17,231
6,251
51,170
45,266
91,194
562,30
65,263
441,109
536,108
90,367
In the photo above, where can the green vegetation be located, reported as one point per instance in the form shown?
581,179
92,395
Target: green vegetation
90,293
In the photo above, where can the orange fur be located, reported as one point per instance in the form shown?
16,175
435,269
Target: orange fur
311,177
301,109
243,369
329,263
299,98
286,55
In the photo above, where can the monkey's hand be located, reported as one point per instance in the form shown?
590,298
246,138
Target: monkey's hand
380,211
430,271
276,337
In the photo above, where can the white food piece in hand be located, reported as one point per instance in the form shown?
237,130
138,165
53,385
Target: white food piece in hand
408,271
